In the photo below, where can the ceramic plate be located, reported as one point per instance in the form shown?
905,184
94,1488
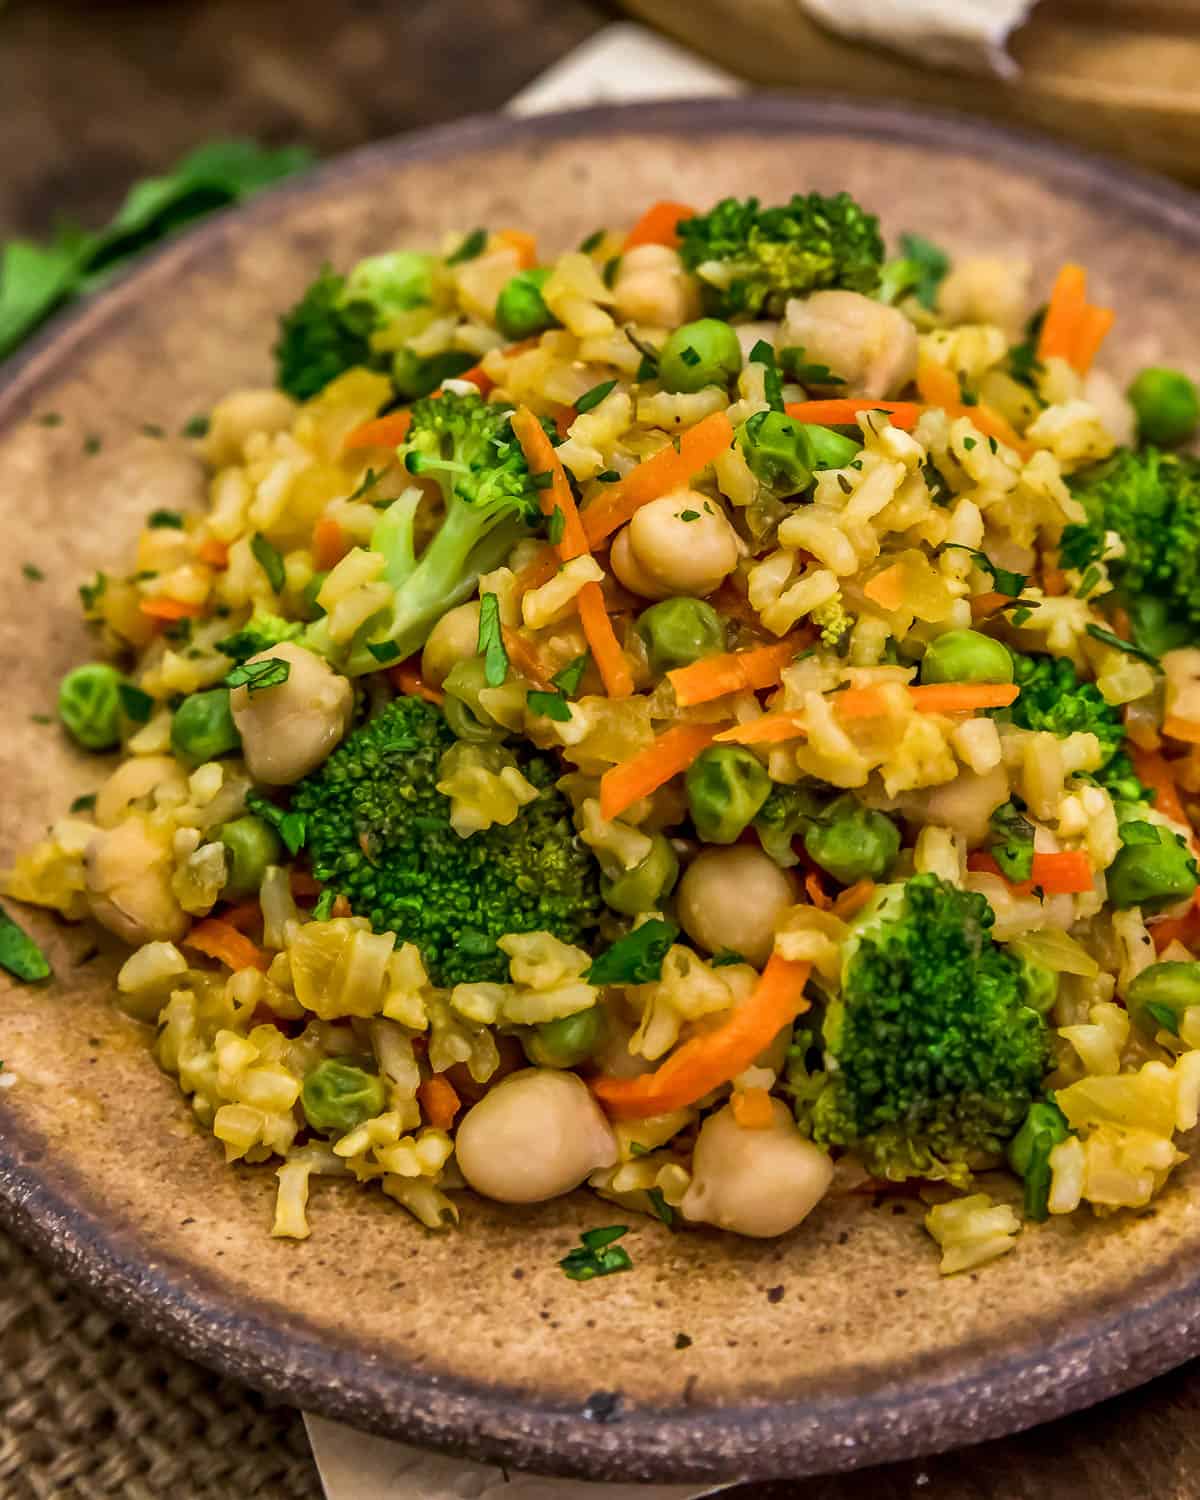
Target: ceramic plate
836,1346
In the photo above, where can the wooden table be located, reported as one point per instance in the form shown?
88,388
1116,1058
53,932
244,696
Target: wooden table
97,92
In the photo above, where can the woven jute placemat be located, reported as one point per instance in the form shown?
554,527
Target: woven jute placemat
90,1410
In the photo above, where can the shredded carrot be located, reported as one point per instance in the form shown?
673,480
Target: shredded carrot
938,387
669,469
540,570
853,899
752,1109
843,412
1067,873
1094,328
928,698
524,657
1060,327
439,1100
1054,583
734,672
593,615
330,544
213,551
163,608
381,432
658,225
406,678
983,605
218,939
770,729
1186,730
887,588
816,892
672,752
523,243
244,915
707,1061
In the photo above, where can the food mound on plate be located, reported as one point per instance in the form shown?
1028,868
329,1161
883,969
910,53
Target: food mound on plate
709,715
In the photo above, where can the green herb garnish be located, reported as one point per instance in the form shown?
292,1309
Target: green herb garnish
549,705
569,678
637,958
490,644
592,398
254,676
470,247
164,520
19,954
1013,851
269,561
598,1254
1107,638
136,705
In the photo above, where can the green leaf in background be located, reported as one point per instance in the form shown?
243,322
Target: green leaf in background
37,279
19,954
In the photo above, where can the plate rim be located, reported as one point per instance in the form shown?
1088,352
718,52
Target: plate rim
1155,1329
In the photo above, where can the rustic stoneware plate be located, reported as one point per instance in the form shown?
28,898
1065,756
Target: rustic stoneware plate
834,1347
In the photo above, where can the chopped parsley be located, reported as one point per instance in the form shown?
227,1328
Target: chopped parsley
637,958
592,242
92,444
152,430
84,803
648,368
291,827
1013,851
269,561
568,679
197,426
804,372
1005,581
556,525
33,572
254,676
1107,638
764,354
136,705
19,954
50,419
689,515
592,398
609,476
490,644
549,705
660,1208
598,1254
165,520
470,247
383,651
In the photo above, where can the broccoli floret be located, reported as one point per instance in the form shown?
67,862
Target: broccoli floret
467,446
378,832
329,330
751,259
785,816
933,1053
1053,698
259,633
1151,500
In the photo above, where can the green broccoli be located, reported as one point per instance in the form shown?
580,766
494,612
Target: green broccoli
329,330
787,814
1151,500
933,1053
378,832
467,446
751,260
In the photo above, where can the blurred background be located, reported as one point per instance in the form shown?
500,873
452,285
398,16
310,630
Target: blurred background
97,94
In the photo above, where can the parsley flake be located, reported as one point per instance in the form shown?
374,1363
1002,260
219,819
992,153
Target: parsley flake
598,1254
196,427
33,572
592,398
470,247
254,676
19,954
136,705
383,651
165,520
689,515
291,827
1107,638
568,679
549,705
637,958
269,561
556,525
490,643
84,803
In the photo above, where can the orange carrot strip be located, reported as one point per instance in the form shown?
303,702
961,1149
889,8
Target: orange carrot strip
1094,328
1054,583
853,899
1067,873
845,412
245,914
816,892
439,1100
887,588
707,1061
960,697
381,432
1060,327
593,615
657,226
752,1109
623,785
524,657
479,378
983,605
522,242
771,729
330,544
1154,771
217,939
541,570
602,638
213,551
406,678
668,469
732,672
993,425
1186,730
938,387
163,608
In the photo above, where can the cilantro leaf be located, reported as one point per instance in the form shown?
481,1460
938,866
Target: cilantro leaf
19,954
550,706
637,958
269,561
598,1254
273,671
490,644
568,679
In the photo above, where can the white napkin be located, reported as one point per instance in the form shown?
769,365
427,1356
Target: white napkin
967,35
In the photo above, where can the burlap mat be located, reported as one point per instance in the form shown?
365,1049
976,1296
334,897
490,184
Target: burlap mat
91,1410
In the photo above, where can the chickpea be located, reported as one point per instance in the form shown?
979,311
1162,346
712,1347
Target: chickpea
630,572
535,1136
680,555
965,804
128,875
871,346
759,1183
239,417
652,287
733,898
287,731
133,780
454,638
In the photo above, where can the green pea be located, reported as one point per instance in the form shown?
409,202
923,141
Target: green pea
647,885
726,786
464,713
338,1096
1041,986
1152,876
415,377
567,1042
699,354
203,727
89,705
1167,406
1045,1126
252,846
966,656
1159,995
679,631
852,842
520,309
779,451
